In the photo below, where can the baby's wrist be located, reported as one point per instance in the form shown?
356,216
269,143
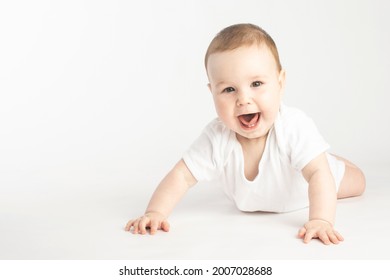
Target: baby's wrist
321,220
154,213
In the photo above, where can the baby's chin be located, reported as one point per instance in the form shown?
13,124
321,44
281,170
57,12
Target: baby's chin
256,133
251,136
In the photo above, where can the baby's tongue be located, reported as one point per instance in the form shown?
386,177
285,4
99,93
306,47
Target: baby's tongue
249,119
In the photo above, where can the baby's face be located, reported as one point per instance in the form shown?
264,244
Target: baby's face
247,89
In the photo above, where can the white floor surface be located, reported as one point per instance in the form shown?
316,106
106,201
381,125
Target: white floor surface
205,225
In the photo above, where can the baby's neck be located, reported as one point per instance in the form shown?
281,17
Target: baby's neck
251,143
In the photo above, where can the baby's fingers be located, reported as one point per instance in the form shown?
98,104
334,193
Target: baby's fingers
156,225
309,235
165,226
335,237
135,226
323,236
338,235
301,232
129,225
143,224
153,226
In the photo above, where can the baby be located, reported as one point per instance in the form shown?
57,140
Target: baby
269,157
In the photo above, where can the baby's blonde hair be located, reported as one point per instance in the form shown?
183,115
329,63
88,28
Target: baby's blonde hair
239,35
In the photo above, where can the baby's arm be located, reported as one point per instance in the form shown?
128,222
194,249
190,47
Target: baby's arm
164,199
322,201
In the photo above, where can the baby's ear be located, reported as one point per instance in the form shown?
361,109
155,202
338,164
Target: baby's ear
209,86
282,78
282,81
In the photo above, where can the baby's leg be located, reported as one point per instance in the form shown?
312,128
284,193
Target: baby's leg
353,182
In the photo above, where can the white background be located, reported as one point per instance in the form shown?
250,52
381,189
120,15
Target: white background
103,97
93,87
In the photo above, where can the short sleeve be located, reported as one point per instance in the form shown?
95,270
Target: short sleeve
303,140
208,155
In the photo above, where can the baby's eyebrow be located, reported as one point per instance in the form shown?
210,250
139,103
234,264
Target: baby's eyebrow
259,77
251,78
222,83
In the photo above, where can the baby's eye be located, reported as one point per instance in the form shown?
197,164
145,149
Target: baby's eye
228,90
256,84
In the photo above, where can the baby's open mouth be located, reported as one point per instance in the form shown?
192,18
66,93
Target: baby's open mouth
249,120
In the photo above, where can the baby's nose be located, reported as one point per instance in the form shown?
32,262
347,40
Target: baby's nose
243,99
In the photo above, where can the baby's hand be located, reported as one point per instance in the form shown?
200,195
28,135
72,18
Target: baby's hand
320,229
151,220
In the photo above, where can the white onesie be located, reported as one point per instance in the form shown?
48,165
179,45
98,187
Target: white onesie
292,143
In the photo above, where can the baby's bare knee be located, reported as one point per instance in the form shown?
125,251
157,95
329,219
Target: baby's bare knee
360,182
353,183
357,182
